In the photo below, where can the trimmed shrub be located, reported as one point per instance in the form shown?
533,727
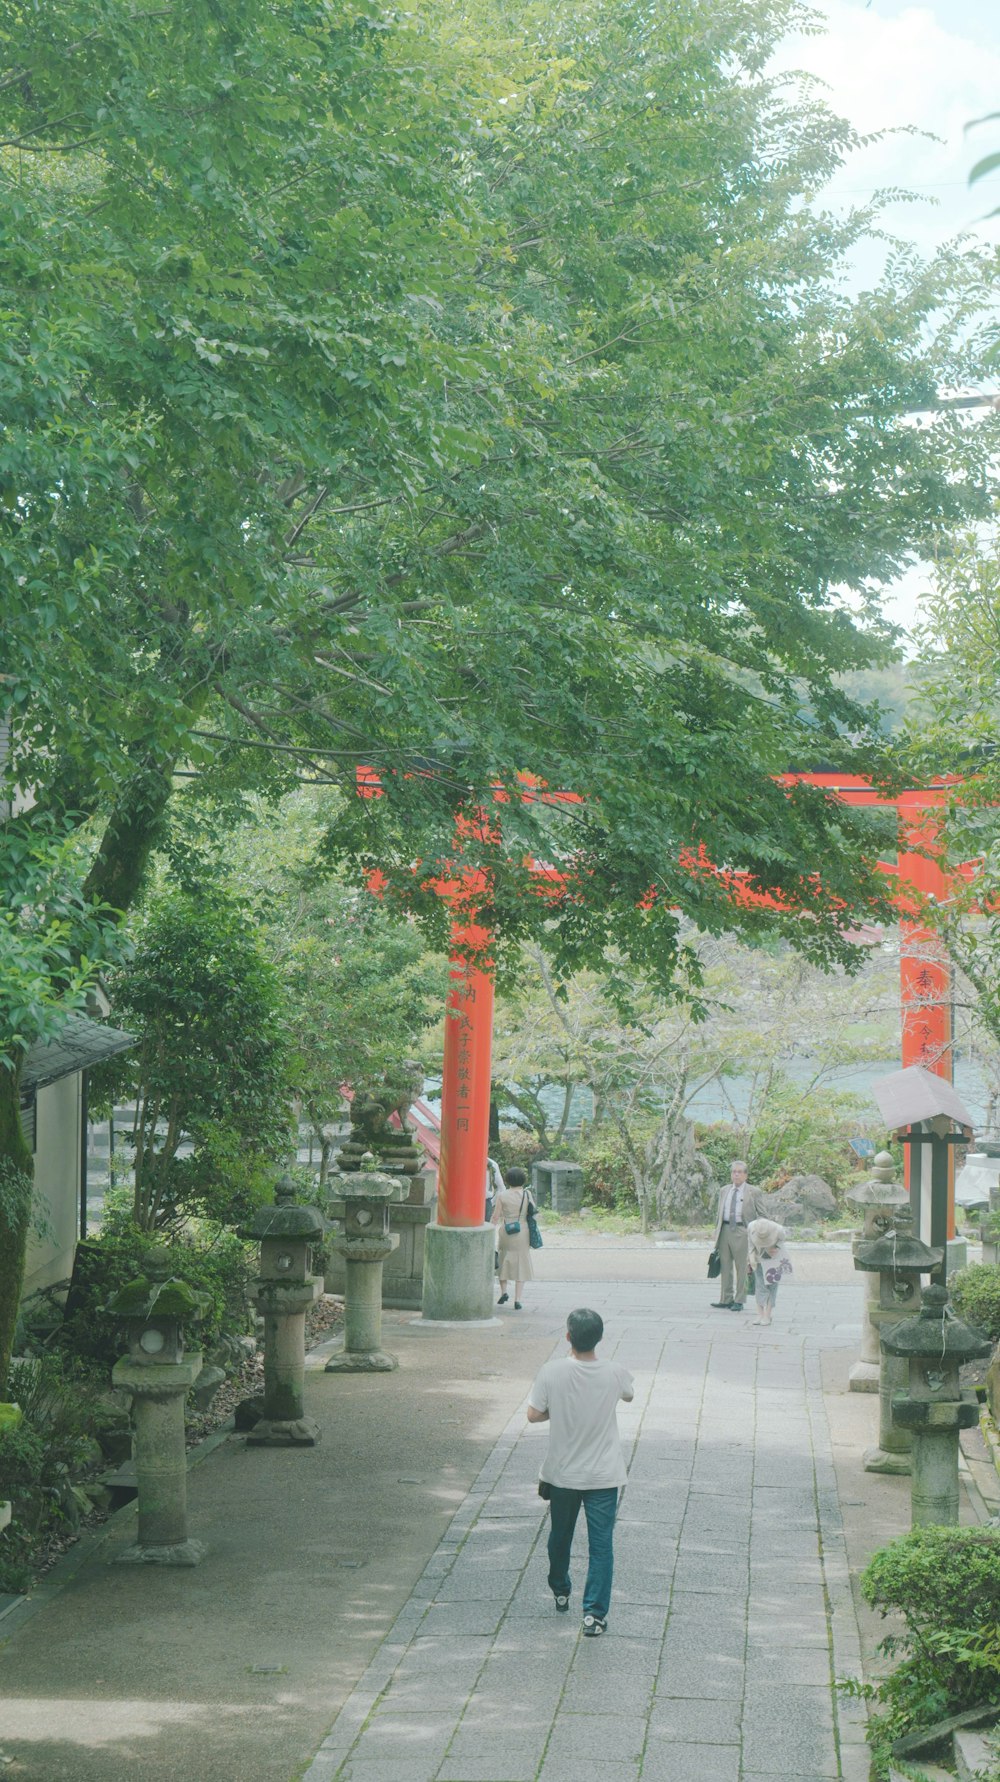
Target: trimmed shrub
975,1293
945,1583
607,1178
221,1265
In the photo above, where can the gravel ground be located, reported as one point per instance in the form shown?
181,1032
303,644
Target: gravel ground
248,1382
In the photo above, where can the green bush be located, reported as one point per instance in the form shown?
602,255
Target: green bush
791,1135
607,1178
516,1149
719,1142
217,1262
975,1293
46,1459
945,1583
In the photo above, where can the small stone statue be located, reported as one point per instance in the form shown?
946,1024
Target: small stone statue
372,1131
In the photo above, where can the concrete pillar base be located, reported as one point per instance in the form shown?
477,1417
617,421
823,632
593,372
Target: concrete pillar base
455,1323
275,1432
365,1361
183,1553
458,1272
864,1377
881,1460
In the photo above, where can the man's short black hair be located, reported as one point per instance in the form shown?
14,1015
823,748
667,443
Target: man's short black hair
516,1178
584,1329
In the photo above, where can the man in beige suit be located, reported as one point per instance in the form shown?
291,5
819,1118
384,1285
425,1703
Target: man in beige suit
738,1204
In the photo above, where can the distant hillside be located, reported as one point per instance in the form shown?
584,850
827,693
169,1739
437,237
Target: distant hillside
893,689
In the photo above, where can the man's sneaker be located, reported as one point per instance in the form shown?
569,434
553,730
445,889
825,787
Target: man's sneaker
593,1627
562,1604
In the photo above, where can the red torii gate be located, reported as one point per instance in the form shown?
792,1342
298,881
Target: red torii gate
925,978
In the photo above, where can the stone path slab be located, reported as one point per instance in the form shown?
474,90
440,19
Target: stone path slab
732,1612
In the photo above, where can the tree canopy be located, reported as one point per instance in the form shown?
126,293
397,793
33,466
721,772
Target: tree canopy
460,395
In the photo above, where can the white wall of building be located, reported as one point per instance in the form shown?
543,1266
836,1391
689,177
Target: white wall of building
57,1183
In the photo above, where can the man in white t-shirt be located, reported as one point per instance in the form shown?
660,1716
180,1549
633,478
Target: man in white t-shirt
578,1397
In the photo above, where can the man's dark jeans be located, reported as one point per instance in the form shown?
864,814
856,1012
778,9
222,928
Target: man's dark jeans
600,1508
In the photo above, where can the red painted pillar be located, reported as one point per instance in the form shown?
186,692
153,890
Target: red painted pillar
465,1085
924,967
925,973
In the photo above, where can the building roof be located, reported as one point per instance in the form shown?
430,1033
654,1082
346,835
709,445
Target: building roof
80,1044
906,1096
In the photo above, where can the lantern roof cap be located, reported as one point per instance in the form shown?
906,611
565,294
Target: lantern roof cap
936,1332
881,1188
369,1183
898,1251
285,1219
908,1096
157,1293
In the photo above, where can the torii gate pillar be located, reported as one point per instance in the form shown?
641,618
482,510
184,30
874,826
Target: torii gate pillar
924,971
458,1250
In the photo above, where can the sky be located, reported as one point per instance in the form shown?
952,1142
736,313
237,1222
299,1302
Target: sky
888,64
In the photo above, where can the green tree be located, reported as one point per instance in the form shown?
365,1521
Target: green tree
360,987
957,732
463,395
770,1033
209,1071
53,945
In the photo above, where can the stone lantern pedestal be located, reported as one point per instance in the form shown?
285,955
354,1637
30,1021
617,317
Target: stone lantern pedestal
898,1259
283,1293
159,1375
364,1246
878,1199
933,1347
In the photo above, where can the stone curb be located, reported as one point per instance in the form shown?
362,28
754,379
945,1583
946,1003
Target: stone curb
850,1714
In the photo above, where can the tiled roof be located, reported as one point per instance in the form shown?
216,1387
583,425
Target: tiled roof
81,1043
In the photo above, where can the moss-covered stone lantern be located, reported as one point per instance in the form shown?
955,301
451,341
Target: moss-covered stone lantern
933,1346
898,1259
283,1292
877,1198
365,1243
159,1374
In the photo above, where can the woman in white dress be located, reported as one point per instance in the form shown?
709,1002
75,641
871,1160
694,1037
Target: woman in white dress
513,1203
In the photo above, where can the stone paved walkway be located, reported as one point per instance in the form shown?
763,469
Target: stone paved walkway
732,1611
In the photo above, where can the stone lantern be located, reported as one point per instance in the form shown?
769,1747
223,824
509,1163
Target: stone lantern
878,1198
927,1115
364,1245
283,1292
159,1374
899,1259
934,1346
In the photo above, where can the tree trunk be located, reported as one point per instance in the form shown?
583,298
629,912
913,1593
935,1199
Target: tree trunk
325,1153
16,1176
568,1088
132,832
